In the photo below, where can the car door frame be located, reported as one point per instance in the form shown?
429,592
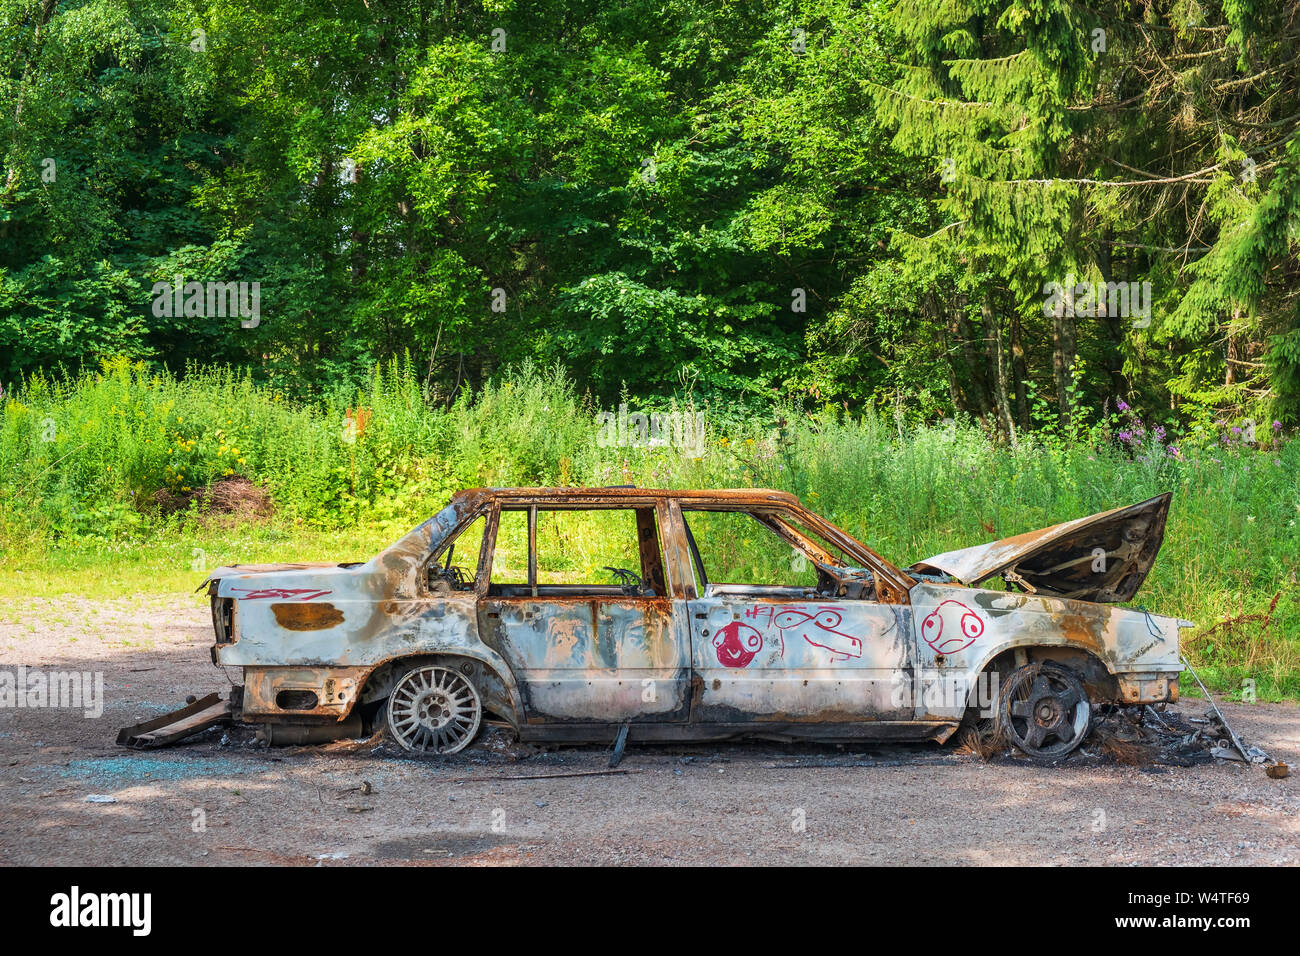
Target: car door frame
872,700
664,693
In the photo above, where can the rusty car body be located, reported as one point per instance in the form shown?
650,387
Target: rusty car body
855,649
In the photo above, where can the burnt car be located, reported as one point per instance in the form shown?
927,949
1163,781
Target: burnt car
585,614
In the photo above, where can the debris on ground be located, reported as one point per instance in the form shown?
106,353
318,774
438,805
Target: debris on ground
1144,736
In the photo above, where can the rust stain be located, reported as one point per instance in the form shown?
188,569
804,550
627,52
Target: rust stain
306,617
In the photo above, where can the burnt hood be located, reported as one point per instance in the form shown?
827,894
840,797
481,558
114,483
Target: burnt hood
1104,557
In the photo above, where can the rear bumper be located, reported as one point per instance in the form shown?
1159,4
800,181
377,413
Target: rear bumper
1148,687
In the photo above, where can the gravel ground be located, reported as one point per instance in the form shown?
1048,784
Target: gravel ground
209,802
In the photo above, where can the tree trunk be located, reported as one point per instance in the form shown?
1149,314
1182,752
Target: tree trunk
1062,359
997,365
947,331
1019,370
1114,324
974,370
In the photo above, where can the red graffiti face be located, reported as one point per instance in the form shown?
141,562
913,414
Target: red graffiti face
736,644
818,628
969,627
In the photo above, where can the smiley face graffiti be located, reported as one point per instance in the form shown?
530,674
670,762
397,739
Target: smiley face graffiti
736,644
969,626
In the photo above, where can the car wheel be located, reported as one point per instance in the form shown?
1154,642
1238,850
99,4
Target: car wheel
1044,710
434,710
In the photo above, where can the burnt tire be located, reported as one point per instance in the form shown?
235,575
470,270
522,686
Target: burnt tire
1043,709
434,709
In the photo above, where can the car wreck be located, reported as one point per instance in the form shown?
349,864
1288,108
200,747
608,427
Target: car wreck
590,614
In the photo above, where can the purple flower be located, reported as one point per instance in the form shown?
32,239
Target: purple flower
1160,433
1173,450
1121,405
1126,437
1277,426
1236,430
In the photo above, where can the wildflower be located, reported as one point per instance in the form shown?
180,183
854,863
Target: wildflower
1126,437
1250,517
1121,405
1160,433
1277,426
1236,430
1173,450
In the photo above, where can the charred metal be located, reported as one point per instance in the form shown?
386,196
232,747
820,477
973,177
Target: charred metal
430,648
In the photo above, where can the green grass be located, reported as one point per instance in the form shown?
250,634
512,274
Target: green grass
81,458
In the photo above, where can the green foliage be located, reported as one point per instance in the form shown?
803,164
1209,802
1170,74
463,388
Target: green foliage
81,459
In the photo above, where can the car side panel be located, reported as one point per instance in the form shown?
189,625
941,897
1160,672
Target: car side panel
614,660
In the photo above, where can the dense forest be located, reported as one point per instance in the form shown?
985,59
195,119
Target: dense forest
1021,211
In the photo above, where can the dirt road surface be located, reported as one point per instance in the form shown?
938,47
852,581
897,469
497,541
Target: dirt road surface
210,803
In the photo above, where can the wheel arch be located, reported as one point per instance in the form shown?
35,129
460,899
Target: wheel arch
1097,677
490,675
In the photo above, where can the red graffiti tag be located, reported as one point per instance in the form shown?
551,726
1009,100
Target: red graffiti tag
970,625
736,644
284,594
818,629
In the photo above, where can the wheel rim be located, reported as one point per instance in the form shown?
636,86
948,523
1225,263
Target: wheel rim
1046,711
434,710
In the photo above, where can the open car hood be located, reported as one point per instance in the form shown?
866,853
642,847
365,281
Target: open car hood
1104,557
